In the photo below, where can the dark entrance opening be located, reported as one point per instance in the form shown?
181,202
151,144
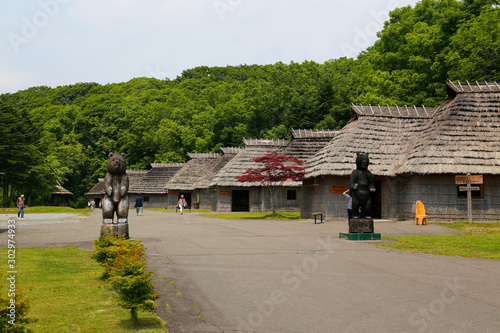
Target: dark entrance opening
241,201
377,200
187,196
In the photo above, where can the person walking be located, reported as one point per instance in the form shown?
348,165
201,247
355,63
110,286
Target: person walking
138,204
182,204
349,207
21,203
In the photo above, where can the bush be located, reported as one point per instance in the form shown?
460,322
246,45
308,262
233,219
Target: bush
125,264
22,305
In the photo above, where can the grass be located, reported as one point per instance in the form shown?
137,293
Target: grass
474,228
45,209
70,294
257,216
481,241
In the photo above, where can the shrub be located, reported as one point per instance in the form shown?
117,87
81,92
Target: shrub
125,264
22,305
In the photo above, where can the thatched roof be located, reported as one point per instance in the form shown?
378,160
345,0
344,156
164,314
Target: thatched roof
60,190
97,189
460,136
196,173
156,179
243,161
306,143
133,176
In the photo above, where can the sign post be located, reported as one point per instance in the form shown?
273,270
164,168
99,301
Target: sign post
462,180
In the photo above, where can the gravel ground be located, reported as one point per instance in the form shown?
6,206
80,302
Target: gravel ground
35,219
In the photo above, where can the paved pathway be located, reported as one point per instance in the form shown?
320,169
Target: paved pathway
295,276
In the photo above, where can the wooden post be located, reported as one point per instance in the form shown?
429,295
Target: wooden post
468,180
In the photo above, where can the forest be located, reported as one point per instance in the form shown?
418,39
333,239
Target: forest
65,133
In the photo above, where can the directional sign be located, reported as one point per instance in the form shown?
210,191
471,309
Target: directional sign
464,180
471,188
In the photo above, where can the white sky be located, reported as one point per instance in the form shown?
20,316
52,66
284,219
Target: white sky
61,42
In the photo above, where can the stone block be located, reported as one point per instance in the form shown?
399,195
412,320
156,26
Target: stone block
361,225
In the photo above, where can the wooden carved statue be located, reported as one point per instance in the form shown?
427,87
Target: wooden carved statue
361,184
116,200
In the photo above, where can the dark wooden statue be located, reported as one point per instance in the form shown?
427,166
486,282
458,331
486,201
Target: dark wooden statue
361,184
116,200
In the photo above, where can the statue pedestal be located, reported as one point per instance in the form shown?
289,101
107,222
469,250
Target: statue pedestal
361,225
117,229
360,229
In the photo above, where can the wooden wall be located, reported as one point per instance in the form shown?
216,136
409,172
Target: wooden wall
400,194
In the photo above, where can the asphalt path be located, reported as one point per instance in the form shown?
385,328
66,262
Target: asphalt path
219,275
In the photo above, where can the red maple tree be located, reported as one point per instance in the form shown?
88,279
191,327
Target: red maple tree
276,170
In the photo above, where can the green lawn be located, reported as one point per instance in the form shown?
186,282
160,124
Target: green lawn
70,294
481,241
45,209
257,216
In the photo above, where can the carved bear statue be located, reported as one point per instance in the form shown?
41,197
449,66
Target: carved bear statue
361,184
115,190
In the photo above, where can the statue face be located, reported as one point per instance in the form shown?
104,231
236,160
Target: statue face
362,161
117,164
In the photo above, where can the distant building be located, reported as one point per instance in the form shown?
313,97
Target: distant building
60,196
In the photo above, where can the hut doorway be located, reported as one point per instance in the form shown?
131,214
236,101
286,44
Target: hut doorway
377,200
187,196
241,201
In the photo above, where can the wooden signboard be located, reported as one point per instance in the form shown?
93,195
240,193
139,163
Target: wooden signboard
471,188
468,180
464,180
174,194
225,192
338,188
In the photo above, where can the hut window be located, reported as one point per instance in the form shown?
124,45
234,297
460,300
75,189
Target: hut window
475,194
145,198
291,195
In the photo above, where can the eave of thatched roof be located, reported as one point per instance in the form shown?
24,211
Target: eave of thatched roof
60,190
156,179
462,136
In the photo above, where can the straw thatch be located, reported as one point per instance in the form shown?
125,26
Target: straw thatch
196,173
97,189
60,190
460,136
243,161
156,179
133,175
306,143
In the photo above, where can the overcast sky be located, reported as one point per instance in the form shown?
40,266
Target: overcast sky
61,42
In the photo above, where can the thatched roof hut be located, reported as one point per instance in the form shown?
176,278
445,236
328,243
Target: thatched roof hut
60,195
243,161
459,136
415,154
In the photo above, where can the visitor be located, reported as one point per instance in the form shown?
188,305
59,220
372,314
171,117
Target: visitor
138,204
349,207
21,203
182,204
